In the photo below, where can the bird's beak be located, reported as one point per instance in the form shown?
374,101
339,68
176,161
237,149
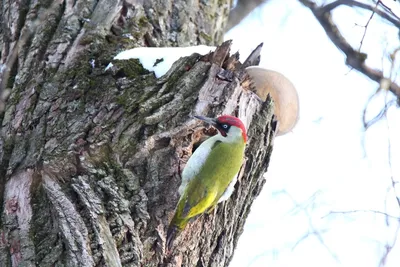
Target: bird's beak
211,121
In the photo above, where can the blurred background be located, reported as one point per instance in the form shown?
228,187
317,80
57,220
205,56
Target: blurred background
332,196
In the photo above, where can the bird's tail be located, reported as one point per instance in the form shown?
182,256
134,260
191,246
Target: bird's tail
172,233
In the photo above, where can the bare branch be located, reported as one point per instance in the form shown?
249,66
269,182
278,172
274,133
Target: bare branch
392,18
241,10
388,9
354,58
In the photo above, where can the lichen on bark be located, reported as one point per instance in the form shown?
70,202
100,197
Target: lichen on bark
90,160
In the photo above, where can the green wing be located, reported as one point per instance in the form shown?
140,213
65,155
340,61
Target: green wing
208,186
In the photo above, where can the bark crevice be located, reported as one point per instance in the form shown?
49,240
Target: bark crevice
99,153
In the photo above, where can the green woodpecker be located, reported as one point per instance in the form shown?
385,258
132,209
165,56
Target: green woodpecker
211,172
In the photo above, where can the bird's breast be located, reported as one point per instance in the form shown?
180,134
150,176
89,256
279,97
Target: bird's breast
195,162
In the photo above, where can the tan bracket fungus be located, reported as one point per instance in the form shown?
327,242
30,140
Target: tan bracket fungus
282,92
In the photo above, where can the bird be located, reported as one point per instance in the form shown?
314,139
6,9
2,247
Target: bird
210,174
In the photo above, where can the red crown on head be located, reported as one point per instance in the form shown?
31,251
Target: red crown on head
233,121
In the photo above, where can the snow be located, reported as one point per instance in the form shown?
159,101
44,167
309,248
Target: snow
160,59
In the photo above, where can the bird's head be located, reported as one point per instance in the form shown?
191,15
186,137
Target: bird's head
230,127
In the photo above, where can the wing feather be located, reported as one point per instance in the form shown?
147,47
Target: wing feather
211,181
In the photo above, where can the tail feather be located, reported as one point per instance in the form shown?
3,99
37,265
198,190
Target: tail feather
172,233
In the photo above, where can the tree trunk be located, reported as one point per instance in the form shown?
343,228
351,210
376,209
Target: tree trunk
90,161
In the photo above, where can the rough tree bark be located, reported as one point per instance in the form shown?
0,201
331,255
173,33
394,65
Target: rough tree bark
90,161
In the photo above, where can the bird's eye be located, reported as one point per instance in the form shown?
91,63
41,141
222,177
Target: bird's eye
225,126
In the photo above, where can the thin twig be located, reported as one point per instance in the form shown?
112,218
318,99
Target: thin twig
354,58
362,211
390,145
366,26
389,248
380,115
392,18
314,231
383,86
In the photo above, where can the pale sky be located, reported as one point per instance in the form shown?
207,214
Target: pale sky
328,163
